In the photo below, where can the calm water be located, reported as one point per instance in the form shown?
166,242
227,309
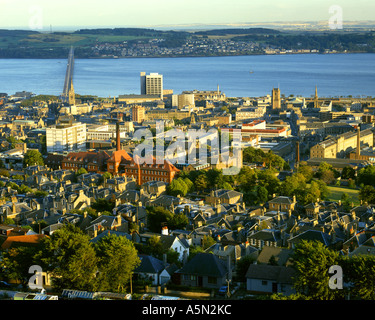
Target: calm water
335,75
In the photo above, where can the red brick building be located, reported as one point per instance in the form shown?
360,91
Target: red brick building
121,163
92,161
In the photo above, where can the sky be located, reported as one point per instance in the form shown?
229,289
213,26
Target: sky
42,14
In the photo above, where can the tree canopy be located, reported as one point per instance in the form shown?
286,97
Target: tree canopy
117,258
33,157
70,258
74,262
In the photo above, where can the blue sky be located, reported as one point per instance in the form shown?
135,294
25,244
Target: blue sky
23,13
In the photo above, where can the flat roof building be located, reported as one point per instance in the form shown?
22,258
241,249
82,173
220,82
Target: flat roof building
152,84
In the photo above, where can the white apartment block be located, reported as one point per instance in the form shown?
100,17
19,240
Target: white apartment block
66,137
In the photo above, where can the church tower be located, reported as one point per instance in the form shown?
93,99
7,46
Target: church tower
276,100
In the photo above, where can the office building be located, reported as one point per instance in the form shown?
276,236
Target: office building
152,84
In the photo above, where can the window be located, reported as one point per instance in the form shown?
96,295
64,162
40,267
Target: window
264,282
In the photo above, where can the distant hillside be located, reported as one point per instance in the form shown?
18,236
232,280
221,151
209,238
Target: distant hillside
143,42
129,32
135,32
223,32
16,33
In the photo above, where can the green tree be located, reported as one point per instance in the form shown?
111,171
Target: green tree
177,187
201,182
274,161
117,260
16,261
345,201
367,194
81,171
13,141
193,250
328,177
359,271
23,189
153,247
312,260
178,221
156,217
262,194
317,191
246,178
348,173
293,185
189,184
4,173
366,176
101,205
267,179
70,258
41,194
242,266
214,178
306,171
227,186
252,155
33,157
207,241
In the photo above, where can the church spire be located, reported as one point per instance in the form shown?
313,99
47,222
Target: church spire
316,105
72,99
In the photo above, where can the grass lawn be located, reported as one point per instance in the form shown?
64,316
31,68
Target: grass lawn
337,192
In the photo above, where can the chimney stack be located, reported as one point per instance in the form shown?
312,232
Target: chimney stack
118,144
297,153
164,231
358,151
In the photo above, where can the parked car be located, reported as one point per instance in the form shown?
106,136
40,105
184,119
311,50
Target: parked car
223,291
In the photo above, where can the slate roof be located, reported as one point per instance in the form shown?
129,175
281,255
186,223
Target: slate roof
312,235
279,274
226,194
205,264
105,233
281,199
266,235
149,264
166,200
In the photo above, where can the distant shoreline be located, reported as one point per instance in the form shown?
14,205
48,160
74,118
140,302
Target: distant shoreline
195,56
